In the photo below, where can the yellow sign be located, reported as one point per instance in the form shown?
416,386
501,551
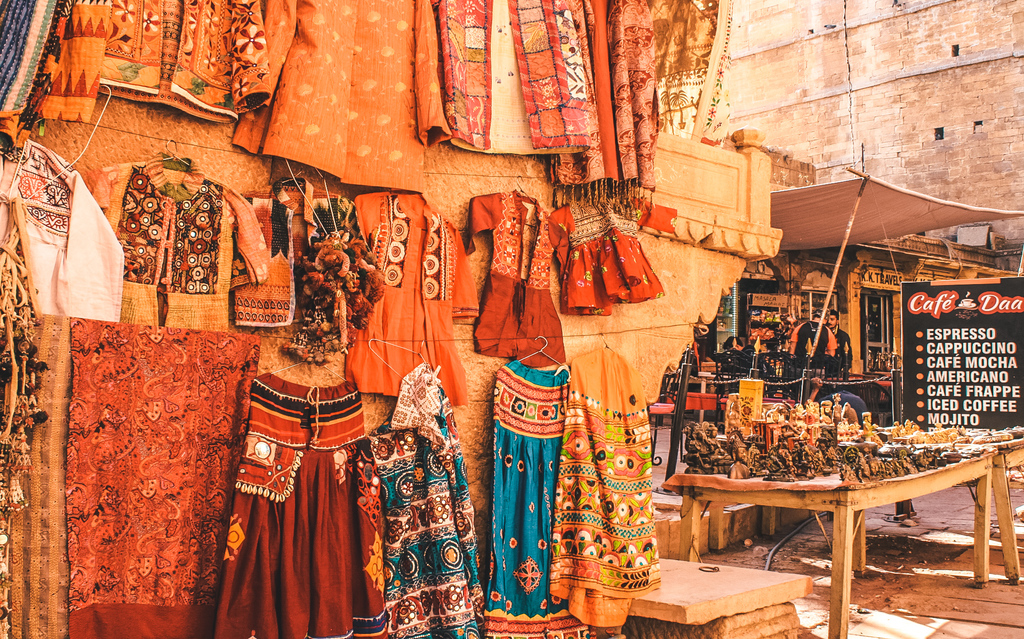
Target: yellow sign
885,279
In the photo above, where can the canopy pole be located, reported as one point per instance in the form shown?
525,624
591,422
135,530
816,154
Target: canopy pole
1020,269
835,269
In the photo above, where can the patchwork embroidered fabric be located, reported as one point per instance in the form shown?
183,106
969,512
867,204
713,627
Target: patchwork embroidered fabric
529,416
603,544
304,553
430,558
157,420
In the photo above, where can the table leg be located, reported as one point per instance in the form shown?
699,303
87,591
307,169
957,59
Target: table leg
689,536
1004,511
842,559
769,520
982,517
860,542
716,527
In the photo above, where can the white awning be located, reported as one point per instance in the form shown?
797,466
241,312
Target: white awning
816,216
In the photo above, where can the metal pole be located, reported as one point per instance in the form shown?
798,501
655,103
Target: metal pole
685,366
897,396
839,259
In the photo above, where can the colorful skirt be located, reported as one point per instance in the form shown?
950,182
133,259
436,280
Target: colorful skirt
304,552
529,415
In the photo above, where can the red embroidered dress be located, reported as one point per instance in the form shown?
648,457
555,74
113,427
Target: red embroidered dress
484,47
157,421
304,552
427,283
517,304
602,262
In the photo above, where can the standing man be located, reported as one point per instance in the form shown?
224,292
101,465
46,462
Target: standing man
805,332
842,340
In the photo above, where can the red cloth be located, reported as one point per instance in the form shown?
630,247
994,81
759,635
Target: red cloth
156,423
304,553
517,306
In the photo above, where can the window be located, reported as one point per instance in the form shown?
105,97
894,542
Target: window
876,327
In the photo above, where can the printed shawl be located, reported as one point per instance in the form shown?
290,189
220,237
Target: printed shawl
551,71
430,548
157,422
603,545
692,44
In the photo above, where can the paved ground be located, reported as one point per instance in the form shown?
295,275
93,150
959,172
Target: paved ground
919,579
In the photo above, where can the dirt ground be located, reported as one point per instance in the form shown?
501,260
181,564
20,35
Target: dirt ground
919,582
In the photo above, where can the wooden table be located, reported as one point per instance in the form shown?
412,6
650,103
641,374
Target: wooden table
848,502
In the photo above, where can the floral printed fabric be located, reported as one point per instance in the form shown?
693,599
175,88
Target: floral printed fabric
157,421
430,548
205,57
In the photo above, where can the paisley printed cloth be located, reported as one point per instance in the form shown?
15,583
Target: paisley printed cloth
529,416
304,555
430,546
157,424
603,544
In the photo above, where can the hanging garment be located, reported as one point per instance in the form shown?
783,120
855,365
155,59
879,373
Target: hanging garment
529,416
77,269
272,303
603,544
514,77
601,259
356,90
692,53
38,538
76,67
427,283
304,555
621,40
157,424
32,32
175,226
430,547
517,306
205,57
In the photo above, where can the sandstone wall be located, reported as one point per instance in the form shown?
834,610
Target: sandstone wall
790,79
650,335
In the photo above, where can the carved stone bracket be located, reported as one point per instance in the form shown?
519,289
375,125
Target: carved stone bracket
722,197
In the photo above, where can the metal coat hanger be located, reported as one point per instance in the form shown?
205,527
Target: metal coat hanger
542,351
326,368
434,372
173,154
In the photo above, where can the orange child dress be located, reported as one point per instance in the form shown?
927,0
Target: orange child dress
427,284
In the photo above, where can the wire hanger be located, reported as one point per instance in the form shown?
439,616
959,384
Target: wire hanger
173,154
542,351
71,164
434,372
326,368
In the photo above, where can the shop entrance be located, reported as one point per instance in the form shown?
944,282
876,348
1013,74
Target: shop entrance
876,331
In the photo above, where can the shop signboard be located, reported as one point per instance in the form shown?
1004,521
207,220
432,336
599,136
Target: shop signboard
961,352
768,301
884,279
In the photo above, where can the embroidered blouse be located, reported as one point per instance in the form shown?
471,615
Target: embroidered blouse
175,227
77,268
205,57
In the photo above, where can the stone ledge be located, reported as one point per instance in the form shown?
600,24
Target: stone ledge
774,622
690,596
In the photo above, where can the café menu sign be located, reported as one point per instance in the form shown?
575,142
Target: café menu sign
961,352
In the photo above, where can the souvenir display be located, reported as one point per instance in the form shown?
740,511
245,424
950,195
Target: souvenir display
529,418
304,555
427,283
430,548
514,79
157,419
604,552
356,90
516,308
77,269
601,260
177,227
